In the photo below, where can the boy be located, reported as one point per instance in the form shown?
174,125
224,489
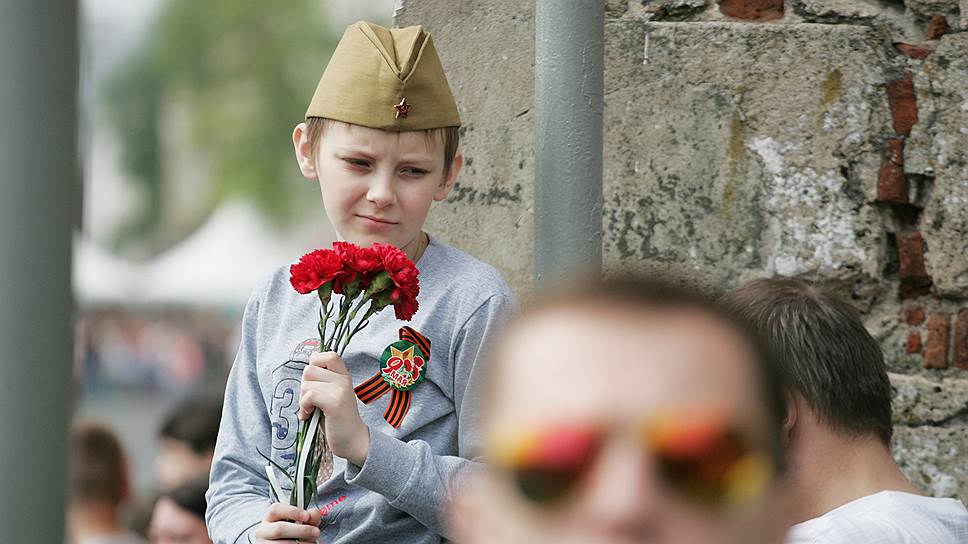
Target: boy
381,138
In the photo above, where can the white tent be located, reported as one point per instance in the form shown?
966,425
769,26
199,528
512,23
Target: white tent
100,277
218,265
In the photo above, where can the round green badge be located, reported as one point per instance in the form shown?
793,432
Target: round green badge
403,365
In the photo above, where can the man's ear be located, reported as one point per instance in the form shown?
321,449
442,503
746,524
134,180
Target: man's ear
304,151
451,179
790,419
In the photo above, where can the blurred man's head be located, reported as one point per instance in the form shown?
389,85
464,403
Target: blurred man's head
627,411
188,437
98,481
834,367
179,515
98,471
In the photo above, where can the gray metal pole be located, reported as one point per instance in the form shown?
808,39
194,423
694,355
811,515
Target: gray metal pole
568,103
38,194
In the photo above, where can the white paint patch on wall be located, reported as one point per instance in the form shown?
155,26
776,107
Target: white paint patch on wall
810,218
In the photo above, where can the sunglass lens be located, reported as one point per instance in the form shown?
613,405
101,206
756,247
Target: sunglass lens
554,464
546,486
710,465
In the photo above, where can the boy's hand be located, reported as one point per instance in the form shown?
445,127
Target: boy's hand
279,525
327,385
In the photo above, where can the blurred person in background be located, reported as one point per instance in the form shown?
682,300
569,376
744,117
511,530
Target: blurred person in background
838,424
179,515
99,488
187,435
186,439
628,411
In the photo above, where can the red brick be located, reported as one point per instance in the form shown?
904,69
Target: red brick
904,106
914,342
752,10
936,351
937,27
960,356
913,316
915,280
912,51
892,184
910,253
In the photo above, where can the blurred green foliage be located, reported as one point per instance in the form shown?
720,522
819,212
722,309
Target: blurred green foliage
244,71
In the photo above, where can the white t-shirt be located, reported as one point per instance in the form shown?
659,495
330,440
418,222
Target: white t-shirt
888,517
119,538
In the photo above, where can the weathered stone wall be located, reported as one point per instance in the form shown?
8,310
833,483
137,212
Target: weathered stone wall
819,139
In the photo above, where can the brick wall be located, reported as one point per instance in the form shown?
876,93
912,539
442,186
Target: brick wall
819,139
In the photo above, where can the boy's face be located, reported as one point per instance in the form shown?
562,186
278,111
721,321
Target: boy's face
585,385
377,186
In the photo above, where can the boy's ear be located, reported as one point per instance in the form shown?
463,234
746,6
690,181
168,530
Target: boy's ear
451,179
304,151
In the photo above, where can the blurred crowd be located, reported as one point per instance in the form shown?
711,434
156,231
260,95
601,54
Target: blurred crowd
159,350
105,509
174,356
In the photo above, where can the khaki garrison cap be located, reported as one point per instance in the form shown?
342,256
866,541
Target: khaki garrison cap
390,79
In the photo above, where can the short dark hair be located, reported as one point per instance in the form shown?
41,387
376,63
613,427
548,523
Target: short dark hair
97,465
190,496
657,293
825,353
194,422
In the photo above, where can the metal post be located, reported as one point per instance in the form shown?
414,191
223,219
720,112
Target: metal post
568,96
39,177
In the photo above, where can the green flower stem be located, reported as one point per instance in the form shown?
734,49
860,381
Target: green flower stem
328,341
309,456
344,309
359,305
302,491
323,322
310,463
360,326
347,334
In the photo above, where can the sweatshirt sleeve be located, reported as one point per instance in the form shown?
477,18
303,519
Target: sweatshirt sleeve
408,474
238,490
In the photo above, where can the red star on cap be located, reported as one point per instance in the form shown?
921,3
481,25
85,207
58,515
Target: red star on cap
403,109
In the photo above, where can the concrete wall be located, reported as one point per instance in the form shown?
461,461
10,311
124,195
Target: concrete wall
819,139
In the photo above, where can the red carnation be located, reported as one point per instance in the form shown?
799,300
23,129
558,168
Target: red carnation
404,304
400,268
404,276
362,260
365,261
314,270
359,265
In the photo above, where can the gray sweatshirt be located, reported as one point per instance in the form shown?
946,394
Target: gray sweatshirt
400,491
